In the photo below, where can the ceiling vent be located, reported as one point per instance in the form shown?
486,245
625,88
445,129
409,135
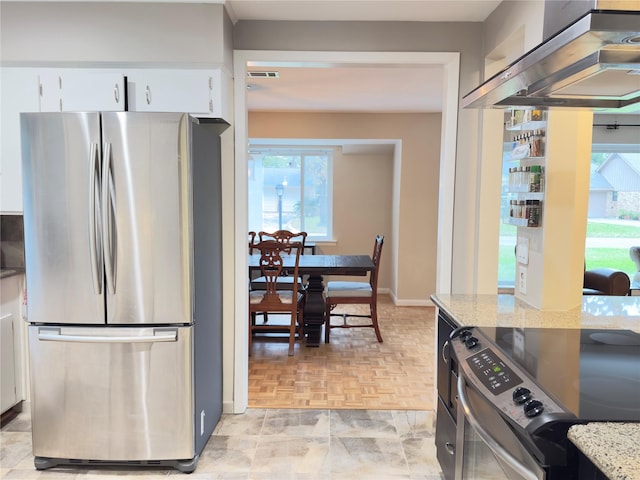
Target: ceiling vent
263,74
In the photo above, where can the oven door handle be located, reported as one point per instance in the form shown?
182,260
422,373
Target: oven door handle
493,445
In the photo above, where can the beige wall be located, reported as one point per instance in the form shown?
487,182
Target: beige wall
365,184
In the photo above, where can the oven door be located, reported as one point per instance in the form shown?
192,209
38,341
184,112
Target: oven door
487,448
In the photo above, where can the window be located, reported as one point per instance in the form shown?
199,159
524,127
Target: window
613,224
508,233
290,188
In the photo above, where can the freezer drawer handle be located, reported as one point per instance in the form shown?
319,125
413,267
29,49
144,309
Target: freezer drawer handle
54,335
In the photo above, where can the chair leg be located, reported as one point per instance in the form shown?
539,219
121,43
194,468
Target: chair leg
327,321
301,324
374,320
292,332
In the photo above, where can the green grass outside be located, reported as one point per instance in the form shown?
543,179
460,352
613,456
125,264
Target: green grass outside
616,258
596,257
606,230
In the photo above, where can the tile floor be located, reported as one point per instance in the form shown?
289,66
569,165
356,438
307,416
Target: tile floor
362,411
274,444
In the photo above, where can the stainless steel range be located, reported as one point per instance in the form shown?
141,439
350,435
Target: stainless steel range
509,396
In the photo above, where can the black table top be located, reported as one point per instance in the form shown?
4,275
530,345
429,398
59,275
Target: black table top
324,264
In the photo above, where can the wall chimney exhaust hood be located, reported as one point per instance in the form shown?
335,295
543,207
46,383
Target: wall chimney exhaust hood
593,63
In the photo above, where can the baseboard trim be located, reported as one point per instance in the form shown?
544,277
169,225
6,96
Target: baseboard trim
406,302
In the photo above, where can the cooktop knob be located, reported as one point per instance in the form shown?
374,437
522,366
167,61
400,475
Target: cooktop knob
471,342
465,335
533,408
521,395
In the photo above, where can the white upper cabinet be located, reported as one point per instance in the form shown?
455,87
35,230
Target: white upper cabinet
19,93
81,90
200,92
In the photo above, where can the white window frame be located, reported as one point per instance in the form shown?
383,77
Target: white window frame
297,149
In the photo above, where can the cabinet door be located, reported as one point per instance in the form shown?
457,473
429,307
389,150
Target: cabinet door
8,392
444,367
81,90
19,93
50,90
172,91
91,91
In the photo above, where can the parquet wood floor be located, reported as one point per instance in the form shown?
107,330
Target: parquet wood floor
354,371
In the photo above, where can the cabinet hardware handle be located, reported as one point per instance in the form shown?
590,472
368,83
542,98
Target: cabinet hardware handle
116,93
450,448
444,347
147,93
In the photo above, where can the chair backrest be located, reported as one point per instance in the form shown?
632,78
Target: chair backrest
285,236
252,242
272,254
377,253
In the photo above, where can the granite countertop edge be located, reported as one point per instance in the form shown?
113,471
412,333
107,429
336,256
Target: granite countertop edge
503,310
612,447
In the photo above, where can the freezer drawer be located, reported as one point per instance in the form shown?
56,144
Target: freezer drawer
112,393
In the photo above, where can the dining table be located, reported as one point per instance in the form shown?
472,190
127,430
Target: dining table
316,267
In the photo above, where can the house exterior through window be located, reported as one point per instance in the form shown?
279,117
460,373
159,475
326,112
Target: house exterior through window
290,188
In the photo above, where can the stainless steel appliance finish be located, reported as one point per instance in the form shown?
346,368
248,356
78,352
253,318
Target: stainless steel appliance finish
594,62
123,270
487,446
516,397
495,427
129,208
481,438
124,394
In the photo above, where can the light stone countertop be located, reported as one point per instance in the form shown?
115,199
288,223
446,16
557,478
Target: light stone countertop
598,311
612,447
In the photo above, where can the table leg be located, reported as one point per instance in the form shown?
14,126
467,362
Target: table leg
314,310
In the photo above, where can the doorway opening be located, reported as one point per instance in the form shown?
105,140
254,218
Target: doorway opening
238,367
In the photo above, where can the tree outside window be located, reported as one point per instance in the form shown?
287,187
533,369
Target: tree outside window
290,188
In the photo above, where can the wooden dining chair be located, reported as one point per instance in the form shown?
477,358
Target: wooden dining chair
252,242
348,292
284,237
273,299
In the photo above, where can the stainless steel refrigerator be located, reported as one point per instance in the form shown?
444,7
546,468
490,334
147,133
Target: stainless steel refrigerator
122,219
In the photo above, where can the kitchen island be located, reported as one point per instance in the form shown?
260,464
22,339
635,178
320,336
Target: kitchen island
581,356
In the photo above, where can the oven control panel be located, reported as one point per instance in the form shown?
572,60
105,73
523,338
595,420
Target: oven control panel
495,375
499,379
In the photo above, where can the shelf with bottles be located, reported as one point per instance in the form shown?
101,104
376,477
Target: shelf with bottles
527,179
526,119
528,139
525,213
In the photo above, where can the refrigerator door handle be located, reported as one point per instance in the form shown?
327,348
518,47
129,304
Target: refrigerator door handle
95,231
108,208
55,335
